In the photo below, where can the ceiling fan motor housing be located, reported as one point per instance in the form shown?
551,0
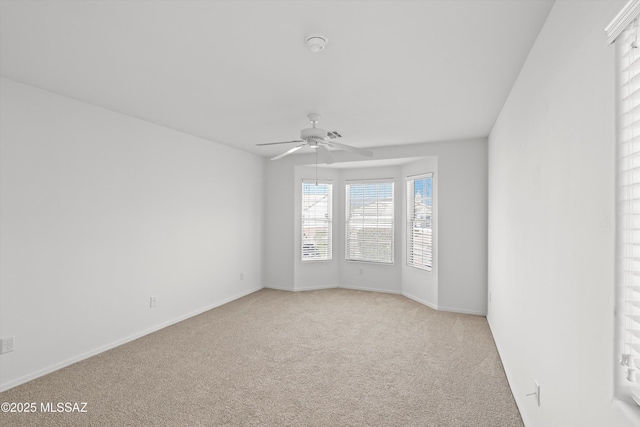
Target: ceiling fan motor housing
313,134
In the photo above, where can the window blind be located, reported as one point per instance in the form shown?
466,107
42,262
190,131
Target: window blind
369,221
419,217
628,211
316,221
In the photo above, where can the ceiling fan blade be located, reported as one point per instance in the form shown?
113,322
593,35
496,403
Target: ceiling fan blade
356,150
283,142
324,154
286,153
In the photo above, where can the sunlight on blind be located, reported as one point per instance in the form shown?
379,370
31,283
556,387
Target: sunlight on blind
316,221
369,222
629,211
419,230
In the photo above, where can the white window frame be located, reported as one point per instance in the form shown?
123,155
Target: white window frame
319,214
377,222
419,225
623,30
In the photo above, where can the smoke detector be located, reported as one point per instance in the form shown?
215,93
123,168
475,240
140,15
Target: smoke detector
316,41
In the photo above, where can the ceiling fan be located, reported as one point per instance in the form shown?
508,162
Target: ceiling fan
319,139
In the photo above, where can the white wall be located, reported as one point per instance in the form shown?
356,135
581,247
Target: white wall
279,243
461,280
462,228
99,212
551,223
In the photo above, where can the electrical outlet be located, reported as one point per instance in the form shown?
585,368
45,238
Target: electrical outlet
536,392
489,296
153,301
6,345
361,270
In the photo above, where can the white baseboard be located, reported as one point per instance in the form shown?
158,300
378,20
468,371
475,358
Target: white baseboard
278,288
462,311
360,288
300,289
41,372
386,291
441,308
315,288
421,301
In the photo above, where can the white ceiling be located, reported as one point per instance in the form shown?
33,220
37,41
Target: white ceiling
239,73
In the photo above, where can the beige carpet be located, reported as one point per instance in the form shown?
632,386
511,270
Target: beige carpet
333,357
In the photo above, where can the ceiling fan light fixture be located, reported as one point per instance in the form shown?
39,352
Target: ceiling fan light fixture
316,41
